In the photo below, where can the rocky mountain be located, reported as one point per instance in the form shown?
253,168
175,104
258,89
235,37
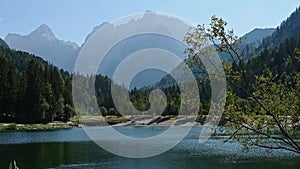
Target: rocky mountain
42,42
133,44
95,29
138,42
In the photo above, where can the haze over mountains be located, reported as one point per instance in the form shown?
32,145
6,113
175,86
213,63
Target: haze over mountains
257,35
43,42
135,43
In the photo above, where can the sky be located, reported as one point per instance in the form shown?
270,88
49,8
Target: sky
73,20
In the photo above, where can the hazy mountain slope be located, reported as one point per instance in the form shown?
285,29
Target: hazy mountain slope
43,42
252,40
257,35
135,43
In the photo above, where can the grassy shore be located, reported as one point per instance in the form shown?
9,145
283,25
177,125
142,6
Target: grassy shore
74,121
18,127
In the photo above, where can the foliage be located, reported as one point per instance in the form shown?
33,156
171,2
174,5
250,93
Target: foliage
31,89
263,98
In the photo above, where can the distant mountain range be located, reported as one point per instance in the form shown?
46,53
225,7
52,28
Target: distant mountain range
250,42
42,42
257,35
138,42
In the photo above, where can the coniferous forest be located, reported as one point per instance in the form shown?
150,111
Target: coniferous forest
34,91
38,92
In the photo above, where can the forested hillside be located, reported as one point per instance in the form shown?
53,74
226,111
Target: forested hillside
290,28
32,91
282,61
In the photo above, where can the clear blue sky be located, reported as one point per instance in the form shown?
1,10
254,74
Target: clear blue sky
73,19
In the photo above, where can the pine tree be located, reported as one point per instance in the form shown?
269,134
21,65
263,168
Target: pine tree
3,86
12,100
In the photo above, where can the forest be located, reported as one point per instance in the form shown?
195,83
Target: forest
35,91
38,92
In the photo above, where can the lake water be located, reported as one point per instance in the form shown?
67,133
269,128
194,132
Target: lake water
71,148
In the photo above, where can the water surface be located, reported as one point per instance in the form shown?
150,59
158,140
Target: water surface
71,148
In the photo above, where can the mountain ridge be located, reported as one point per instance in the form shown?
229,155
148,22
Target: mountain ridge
257,35
289,28
43,42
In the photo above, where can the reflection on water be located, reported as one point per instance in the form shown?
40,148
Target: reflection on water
72,149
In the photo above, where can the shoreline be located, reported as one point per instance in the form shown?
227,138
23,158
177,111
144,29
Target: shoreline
109,121
167,122
52,126
34,127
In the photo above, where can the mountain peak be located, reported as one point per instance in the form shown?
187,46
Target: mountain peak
148,11
44,27
44,31
42,42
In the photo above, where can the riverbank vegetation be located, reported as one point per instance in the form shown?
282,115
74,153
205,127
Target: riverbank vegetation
28,127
